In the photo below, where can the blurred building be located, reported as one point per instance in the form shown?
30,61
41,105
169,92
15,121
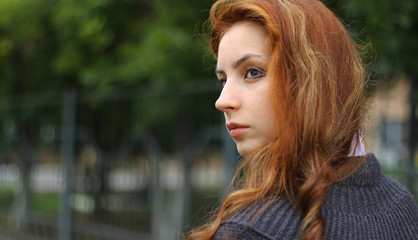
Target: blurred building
387,123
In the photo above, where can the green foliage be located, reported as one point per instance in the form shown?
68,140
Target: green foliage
105,49
6,197
391,27
48,203
100,43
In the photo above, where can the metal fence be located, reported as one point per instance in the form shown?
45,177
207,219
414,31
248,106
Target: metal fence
58,182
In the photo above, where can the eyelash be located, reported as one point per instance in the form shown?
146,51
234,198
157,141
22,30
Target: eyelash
259,71
222,82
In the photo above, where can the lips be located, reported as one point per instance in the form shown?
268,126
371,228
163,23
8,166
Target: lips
236,129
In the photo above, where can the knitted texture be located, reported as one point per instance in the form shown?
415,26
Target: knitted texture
367,205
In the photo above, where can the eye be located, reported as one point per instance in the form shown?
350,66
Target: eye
254,72
222,82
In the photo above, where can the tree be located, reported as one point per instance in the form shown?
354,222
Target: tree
108,49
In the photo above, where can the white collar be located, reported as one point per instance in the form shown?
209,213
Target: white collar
359,150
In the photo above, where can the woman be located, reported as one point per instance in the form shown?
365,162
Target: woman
293,97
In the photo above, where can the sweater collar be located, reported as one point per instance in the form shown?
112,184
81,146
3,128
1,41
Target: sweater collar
368,173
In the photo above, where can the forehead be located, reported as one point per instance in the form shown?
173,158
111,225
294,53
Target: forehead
243,38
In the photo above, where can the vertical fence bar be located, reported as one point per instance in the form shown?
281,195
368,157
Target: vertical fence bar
68,137
231,155
156,191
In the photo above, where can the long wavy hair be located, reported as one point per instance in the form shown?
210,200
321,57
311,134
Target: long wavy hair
317,87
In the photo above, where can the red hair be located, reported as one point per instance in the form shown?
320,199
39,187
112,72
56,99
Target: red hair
317,89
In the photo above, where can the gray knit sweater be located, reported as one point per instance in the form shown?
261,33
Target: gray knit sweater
367,205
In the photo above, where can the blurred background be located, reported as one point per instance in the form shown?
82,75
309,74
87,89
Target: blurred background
108,129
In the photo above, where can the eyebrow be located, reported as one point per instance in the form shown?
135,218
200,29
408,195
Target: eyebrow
237,63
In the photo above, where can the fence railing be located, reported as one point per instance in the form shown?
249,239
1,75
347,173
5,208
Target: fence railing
56,182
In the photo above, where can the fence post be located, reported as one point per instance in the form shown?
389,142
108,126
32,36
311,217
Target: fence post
67,148
231,155
157,196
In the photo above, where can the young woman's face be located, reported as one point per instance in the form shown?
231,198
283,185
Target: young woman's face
243,58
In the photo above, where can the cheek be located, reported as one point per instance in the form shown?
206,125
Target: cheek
270,118
270,123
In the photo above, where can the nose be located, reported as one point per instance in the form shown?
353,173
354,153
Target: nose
229,98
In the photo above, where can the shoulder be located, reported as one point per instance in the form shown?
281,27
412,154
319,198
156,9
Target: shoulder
374,200
266,220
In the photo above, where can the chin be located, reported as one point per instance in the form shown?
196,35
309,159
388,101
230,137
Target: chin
246,149
243,152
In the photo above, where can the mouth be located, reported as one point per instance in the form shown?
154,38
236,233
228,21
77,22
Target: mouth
236,129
